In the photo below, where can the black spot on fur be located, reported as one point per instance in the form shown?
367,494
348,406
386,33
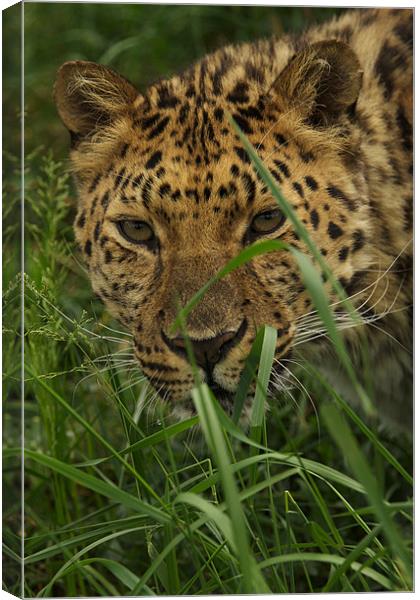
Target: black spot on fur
243,124
242,155
334,231
408,213
314,218
298,188
154,160
123,151
239,93
183,113
250,187
88,248
166,99
192,193
81,220
343,253
283,168
388,60
149,121
406,130
137,180
160,128
164,189
280,139
405,32
119,178
358,240
307,157
223,191
338,194
311,183
251,112
94,183
190,91
276,175
218,114
253,73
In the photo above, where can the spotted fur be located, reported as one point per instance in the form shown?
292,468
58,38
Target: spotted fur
330,114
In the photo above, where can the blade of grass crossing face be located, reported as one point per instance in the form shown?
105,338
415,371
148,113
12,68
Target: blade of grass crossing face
266,364
313,284
345,440
268,349
304,235
247,375
292,216
245,256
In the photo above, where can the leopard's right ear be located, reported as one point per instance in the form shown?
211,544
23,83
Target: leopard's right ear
89,96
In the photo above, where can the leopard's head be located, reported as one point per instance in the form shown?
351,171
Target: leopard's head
168,195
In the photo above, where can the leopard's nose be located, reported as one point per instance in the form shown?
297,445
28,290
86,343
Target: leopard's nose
208,352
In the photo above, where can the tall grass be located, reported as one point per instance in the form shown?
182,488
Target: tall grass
123,501
119,502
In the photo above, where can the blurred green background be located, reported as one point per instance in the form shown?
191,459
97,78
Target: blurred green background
143,42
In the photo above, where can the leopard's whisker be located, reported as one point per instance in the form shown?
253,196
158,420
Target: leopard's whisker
373,284
307,394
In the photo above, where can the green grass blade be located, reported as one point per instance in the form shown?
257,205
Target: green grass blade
242,258
46,591
96,435
266,364
247,375
309,274
345,440
253,581
212,513
97,485
331,559
370,435
350,558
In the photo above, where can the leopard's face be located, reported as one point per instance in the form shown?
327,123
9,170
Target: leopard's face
161,223
169,196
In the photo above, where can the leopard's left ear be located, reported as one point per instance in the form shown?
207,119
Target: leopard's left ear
321,82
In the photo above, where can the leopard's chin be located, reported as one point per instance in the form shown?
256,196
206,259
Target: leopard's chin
185,410
224,397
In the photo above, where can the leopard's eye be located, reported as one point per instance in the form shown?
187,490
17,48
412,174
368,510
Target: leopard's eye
137,232
267,222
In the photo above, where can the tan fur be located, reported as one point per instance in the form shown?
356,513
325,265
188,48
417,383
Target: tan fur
330,113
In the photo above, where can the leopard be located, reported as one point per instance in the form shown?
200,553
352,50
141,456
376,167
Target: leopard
168,195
